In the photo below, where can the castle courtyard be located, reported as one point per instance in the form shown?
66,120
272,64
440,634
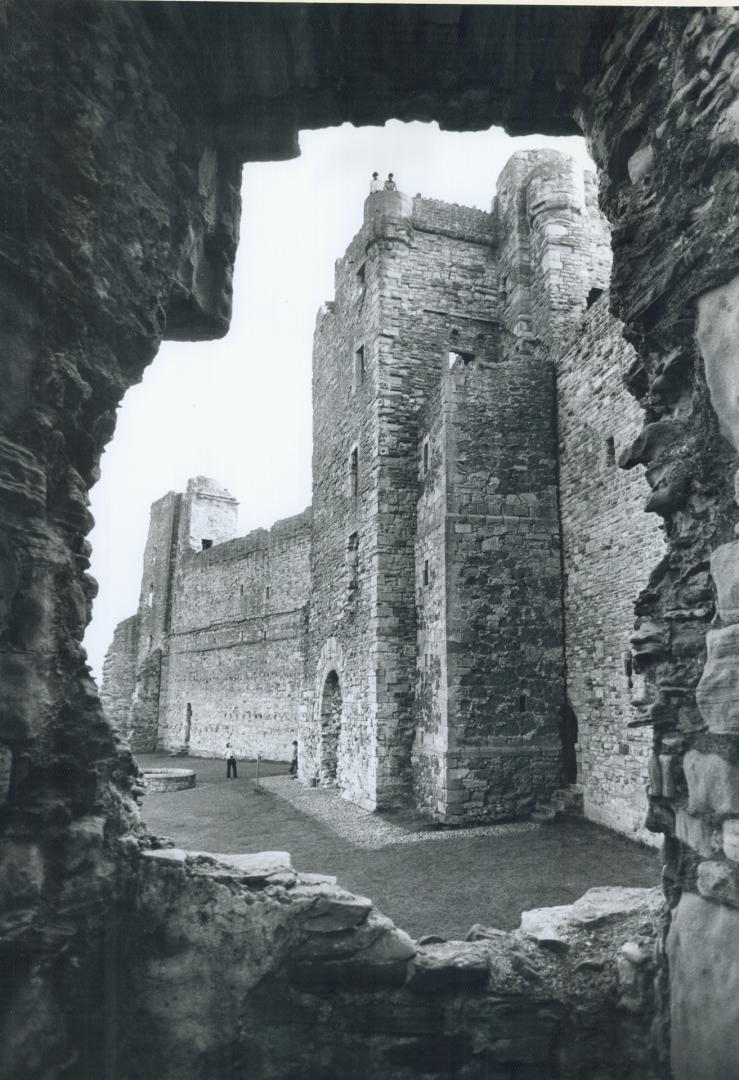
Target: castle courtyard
427,880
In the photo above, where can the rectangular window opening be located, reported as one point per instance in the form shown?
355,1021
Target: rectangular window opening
206,544
352,561
362,280
425,456
353,472
461,359
359,367
610,450
425,571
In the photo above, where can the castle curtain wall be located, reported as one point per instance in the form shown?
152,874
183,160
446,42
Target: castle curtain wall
235,653
610,547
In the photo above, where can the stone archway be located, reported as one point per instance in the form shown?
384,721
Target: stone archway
331,711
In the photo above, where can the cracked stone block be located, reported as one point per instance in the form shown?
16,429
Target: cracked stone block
718,881
553,927
730,839
704,989
725,574
713,784
717,693
694,832
261,866
717,331
332,909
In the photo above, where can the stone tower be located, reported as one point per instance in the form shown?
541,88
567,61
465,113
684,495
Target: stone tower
434,662
206,514
415,318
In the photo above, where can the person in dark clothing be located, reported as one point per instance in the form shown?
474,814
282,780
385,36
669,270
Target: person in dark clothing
294,762
231,762
390,184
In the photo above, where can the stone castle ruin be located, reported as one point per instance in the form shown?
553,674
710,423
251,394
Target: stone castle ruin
125,128
450,623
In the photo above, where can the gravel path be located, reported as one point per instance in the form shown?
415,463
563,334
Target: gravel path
370,830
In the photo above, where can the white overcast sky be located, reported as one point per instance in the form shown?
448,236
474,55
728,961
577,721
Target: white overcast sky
239,409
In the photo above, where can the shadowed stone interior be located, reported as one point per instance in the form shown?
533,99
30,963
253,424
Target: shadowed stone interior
125,127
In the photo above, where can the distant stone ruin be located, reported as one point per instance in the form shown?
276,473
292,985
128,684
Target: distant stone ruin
449,624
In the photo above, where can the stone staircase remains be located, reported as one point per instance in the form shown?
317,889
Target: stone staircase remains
566,802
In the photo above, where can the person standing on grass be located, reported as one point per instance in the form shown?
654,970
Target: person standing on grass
231,762
294,762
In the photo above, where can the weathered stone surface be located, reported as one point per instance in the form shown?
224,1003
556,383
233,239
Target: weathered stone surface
725,574
451,967
601,906
717,693
546,926
717,330
171,856
730,839
330,908
254,868
713,784
695,832
163,780
718,881
704,984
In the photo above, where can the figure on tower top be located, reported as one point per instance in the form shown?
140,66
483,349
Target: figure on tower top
390,184
375,183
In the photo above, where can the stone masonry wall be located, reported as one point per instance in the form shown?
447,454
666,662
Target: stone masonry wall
505,667
439,293
610,548
429,758
343,572
235,652
421,294
322,985
119,674
554,246
662,114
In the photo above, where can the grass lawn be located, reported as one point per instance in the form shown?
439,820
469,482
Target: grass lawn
441,886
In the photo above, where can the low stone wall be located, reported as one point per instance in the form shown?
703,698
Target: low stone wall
161,780
245,967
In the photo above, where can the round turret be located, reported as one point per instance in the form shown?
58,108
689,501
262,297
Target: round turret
387,204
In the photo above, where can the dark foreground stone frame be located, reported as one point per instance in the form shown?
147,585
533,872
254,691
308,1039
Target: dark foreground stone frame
124,130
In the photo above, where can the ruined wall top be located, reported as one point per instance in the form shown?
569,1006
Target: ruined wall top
211,513
392,204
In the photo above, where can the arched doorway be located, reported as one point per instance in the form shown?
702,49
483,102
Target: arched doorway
331,709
